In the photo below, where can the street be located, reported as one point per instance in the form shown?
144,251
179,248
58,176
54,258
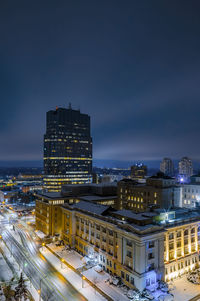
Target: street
51,284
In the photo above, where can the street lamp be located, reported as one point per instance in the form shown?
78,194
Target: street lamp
62,261
11,249
43,244
40,290
83,278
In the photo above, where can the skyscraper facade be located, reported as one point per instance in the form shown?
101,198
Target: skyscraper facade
67,149
167,167
185,167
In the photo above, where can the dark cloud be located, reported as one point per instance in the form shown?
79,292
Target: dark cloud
134,66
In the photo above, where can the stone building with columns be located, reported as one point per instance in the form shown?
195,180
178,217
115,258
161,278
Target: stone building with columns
140,248
182,243
125,244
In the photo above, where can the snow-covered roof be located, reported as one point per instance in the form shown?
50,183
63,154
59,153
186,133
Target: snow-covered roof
90,207
130,214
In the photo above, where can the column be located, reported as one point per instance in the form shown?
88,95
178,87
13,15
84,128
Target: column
182,242
167,246
189,240
196,239
175,244
89,232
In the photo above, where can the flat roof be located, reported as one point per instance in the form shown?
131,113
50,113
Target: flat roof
114,184
51,195
130,214
90,207
96,197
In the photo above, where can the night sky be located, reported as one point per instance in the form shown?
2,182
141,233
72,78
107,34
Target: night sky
133,66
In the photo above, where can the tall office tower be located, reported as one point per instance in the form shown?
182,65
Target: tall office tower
67,149
167,167
138,171
185,167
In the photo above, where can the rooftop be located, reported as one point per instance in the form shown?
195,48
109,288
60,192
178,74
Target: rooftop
50,195
130,214
89,207
90,198
138,223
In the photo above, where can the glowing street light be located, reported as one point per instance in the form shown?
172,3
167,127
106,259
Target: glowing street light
62,261
39,291
83,278
43,245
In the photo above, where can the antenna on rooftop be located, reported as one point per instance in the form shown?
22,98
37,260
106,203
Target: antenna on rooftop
70,105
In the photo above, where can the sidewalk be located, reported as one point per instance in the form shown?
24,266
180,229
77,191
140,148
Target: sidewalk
184,290
80,285
75,264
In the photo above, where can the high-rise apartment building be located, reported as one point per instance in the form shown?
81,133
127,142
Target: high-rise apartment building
67,149
167,167
185,167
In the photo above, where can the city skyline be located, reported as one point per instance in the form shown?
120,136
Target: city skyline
99,157
135,71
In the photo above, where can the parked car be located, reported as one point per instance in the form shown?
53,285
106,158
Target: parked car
98,268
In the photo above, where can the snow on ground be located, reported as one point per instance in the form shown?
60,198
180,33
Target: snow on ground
99,279
71,256
5,272
40,234
87,291
184,290
76,260
33,291
14,233
18,270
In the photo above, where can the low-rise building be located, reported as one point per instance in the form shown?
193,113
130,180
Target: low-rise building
48,212
182,242
140,248
190,195
125,244
138,171
159,191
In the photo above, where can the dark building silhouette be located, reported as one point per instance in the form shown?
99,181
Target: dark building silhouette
167,167
67,149
138,171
